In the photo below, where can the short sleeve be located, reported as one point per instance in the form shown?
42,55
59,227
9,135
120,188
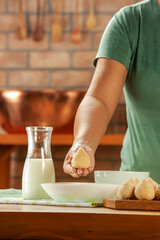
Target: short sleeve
115,42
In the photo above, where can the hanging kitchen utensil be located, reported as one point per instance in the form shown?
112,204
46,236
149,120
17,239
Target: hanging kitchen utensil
21,30
56,26
76,34
38,32
91,19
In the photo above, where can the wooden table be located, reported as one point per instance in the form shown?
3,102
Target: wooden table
47,222
9,142
57,139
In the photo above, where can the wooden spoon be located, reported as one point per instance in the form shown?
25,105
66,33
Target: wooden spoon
38,32
21,30
91,19
76,34
56,26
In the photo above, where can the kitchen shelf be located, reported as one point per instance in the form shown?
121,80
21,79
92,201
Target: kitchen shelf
58,139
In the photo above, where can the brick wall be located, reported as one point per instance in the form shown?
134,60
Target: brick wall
28,64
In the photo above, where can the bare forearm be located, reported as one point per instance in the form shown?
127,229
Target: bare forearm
95,111
91,122
99,104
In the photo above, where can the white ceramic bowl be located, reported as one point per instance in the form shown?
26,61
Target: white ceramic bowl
80,192
117,177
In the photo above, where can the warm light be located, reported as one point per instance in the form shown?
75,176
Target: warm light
12,94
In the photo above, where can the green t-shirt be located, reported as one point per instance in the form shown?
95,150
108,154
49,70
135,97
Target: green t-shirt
133,38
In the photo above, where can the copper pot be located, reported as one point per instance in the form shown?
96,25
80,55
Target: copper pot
56,108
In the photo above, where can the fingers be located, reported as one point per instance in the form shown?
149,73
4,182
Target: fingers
90,169
74,172
67,167
83,172
86,171
79,171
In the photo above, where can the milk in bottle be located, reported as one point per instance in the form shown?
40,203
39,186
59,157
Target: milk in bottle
38,167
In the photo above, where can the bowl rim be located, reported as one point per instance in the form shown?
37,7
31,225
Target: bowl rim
77,183
115,171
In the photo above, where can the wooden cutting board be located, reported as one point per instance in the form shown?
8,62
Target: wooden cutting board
130,204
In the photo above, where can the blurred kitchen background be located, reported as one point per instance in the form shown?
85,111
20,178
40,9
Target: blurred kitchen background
34,60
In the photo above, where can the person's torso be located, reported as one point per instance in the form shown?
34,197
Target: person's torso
141,147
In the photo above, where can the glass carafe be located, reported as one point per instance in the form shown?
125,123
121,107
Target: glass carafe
38,166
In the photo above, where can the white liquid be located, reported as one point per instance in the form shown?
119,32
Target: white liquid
35,172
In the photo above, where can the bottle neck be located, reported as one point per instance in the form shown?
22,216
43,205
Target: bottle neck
39,144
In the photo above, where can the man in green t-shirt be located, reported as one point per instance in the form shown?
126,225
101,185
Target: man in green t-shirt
128,59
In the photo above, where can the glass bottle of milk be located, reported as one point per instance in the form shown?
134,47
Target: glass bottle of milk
38,166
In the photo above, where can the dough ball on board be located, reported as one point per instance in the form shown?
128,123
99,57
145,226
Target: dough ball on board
157,192
126,190
145,190
135,181
80,159
152,182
